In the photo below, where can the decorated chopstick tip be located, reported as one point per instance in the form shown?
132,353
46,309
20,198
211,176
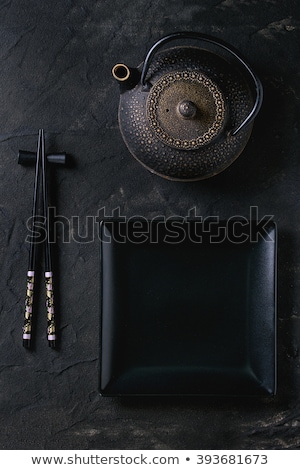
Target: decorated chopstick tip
27,327
51,326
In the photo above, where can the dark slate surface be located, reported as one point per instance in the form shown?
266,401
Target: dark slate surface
56,57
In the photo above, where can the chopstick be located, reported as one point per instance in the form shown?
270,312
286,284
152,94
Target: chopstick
41,160
27,327
51,322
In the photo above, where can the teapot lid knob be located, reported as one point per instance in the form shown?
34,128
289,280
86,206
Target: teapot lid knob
187,109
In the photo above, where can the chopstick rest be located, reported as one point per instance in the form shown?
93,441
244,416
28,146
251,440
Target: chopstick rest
29,158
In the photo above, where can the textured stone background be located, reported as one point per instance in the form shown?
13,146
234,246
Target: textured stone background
56,58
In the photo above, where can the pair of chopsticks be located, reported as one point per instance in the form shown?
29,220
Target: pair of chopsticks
41,164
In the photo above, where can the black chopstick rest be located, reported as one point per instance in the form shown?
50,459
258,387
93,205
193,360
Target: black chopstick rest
29,158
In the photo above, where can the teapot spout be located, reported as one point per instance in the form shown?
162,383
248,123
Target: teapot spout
127,77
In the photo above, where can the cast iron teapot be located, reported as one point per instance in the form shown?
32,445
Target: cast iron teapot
186,113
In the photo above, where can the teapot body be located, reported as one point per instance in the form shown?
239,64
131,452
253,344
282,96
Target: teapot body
179,123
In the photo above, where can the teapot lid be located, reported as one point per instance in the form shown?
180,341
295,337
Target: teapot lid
185,109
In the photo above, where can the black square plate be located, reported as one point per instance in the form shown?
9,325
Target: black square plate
188,308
